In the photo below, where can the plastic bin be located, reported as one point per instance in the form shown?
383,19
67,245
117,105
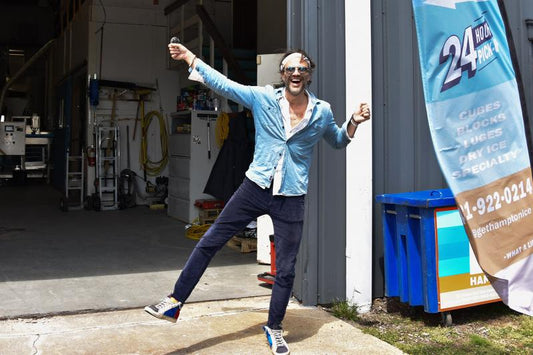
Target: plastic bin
414,270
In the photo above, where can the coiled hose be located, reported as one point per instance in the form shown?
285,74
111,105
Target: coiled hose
196,231
153,168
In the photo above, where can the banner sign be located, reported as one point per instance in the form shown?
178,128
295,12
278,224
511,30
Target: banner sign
477,128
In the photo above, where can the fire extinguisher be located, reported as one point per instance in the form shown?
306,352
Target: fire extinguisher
91,155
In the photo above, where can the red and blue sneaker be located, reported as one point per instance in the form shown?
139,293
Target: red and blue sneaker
168,309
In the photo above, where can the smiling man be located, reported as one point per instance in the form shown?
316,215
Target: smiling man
289,121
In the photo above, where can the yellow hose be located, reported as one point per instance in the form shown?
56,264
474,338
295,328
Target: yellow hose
153,168
196,231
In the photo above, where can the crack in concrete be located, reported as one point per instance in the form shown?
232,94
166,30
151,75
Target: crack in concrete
34,346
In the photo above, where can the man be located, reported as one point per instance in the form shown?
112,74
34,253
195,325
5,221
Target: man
289,121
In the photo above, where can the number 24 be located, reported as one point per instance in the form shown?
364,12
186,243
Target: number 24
466,60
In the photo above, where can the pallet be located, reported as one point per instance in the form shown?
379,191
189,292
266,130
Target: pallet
208,216
244,245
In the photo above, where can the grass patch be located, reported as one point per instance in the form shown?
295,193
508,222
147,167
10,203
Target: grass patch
486,329
344,311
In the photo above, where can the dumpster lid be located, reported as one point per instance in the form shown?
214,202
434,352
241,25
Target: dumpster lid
426,198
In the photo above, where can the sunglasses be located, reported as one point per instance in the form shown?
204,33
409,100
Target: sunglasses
290,70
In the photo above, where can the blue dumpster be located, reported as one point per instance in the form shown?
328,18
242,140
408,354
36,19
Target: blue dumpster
428,259
409,245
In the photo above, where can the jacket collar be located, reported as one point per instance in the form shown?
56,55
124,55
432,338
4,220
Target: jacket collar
279,92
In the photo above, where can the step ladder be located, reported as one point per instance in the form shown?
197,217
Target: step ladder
74,183
107,167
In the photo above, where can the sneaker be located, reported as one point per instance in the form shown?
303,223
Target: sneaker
168,309
278,345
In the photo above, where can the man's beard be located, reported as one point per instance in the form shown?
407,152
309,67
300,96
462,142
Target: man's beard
294,91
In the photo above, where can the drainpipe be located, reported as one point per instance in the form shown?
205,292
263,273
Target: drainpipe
26,65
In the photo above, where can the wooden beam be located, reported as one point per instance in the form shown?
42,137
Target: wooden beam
175,5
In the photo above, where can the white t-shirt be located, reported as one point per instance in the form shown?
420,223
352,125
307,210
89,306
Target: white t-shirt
289,132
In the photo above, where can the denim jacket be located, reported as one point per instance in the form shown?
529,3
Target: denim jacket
270,138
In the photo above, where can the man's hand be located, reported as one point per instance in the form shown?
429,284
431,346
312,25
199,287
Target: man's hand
361,115
179,52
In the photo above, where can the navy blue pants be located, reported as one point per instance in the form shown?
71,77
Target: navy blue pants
247,203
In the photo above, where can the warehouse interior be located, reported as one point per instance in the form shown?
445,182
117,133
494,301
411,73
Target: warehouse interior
70,241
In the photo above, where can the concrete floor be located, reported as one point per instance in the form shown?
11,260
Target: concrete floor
54,262
206,328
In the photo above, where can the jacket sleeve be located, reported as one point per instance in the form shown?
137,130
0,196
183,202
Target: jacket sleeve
336,136
242,94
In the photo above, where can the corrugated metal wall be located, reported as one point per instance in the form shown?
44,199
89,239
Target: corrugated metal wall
404,159
317,26
520,17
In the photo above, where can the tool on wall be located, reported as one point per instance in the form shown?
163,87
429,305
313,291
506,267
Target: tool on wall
208,139
128,161
142,95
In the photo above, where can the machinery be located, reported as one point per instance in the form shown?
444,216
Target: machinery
24,149
13,140
12,149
